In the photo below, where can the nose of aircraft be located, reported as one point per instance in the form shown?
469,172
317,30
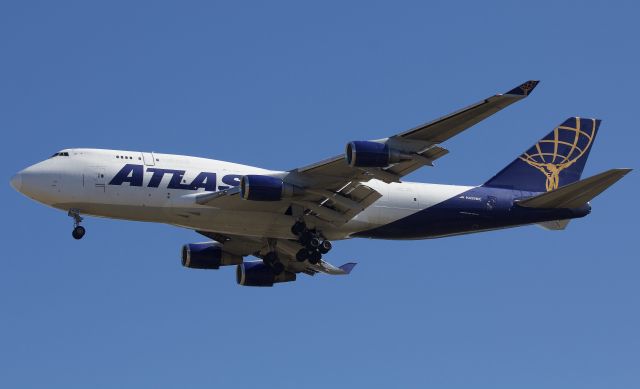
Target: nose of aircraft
16,181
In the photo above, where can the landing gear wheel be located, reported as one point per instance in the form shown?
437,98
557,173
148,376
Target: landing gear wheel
313,243
315,258
78,232
325,247
277,268
298,228
305,238
302,255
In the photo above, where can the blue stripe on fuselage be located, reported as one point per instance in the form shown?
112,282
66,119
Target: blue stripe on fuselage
475,210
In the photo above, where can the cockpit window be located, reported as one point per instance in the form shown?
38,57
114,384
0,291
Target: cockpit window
60,154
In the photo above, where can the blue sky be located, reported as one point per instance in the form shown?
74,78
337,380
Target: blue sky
280,85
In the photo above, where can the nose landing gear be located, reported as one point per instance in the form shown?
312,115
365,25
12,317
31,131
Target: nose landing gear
78,231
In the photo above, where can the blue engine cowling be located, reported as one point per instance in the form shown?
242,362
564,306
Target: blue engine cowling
370,154
207,255
261,188
266,188
256,273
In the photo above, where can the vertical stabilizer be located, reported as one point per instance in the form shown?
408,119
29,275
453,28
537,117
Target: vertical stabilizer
555,160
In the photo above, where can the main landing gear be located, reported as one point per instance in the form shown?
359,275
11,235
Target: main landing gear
272,260
78,231
314,244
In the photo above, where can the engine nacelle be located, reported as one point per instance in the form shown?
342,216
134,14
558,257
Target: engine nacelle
371,154
207,255
266,188
256,273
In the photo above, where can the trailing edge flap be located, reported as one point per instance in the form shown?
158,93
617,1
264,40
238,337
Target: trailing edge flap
327,268
575,194
208,198
555,224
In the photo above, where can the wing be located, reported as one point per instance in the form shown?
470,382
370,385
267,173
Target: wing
286,250
421,141
335,191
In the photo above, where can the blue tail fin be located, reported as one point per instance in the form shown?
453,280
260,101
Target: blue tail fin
556,160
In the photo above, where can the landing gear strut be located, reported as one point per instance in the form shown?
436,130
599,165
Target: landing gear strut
314,244
78,231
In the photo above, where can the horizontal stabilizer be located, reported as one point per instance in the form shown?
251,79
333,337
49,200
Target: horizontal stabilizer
575,194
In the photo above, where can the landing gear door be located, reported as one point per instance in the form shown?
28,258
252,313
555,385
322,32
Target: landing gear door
148,159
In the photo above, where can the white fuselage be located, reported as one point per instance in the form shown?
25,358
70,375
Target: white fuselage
79,179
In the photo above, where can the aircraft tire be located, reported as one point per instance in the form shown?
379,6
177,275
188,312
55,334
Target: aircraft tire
315,258
78,232
302,255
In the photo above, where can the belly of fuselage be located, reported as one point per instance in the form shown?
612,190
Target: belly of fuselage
478,209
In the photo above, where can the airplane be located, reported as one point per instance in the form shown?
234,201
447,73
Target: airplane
288,219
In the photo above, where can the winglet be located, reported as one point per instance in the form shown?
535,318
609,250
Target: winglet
524,89
347,267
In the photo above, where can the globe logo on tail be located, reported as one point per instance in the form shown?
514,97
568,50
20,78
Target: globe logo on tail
561,149
528,87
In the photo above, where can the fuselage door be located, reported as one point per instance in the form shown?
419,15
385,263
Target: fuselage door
398,201
148,159
95,180
404,197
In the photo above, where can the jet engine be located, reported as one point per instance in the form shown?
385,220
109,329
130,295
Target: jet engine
256,273
207,255
266,188
371,154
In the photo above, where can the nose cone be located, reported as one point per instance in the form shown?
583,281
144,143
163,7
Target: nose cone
16,182
41,182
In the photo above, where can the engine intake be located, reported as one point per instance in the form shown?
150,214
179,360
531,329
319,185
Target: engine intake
207,255
371,154
266,188
256,273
